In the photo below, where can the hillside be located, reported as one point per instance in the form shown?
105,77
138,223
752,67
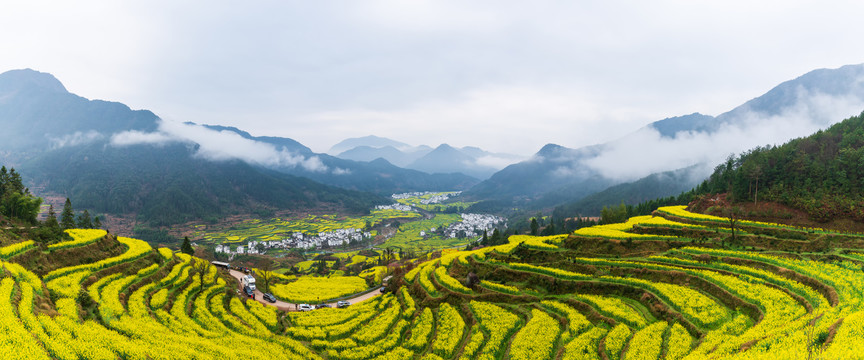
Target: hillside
66,146
648,188
166,185
557,175
820,174
567,297
37,112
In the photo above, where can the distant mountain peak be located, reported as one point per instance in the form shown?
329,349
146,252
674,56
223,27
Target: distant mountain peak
550,149
445,147
29,79
369,140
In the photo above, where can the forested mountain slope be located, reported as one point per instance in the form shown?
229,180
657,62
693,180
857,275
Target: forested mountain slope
822,174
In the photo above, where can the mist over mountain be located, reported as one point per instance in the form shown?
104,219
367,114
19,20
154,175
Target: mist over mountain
371,141
112,159
444,159
38,113
651,187
792,109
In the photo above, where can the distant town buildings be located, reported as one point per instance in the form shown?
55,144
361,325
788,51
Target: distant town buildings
439,197
397,206
298,240
472,225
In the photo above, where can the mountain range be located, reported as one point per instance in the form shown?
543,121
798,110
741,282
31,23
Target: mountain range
468,160
694,143
109,158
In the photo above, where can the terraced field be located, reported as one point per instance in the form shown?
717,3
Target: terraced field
430,202
681,292
278,229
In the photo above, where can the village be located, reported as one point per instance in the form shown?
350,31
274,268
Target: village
472,225
298,240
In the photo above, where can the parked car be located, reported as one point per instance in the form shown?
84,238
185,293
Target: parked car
269,297
342,304
305,307
321,306
249,292
383,289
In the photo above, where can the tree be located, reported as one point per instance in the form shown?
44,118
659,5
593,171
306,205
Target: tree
51,220
97,224
84,221
613,214
201,268
186,248
266,275
67,217
534,226
388,255
473,280
733,214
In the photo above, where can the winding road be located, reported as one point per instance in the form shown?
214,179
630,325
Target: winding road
282,305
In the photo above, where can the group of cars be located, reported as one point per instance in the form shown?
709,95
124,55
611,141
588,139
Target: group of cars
339,304
250,292
248,283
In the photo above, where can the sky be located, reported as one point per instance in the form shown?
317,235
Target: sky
507,76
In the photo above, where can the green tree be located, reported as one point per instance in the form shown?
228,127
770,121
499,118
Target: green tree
613,214
186,248
51,220
67,217
97,224
534,226
84,220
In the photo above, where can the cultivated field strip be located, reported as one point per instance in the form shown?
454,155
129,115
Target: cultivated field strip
534,298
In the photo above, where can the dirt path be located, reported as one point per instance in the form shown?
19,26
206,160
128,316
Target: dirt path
282,305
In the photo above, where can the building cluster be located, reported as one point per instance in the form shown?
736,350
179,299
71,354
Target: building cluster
435,199
472,225
396,206
298,240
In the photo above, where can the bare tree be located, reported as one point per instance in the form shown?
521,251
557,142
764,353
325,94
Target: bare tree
265,274
733,215
201,268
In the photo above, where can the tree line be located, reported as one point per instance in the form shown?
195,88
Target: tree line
822,174
16,202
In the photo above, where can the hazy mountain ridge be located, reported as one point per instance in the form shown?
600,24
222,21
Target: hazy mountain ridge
221,170
38,113
444,159
793,108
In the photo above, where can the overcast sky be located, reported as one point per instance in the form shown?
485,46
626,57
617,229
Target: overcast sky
507,76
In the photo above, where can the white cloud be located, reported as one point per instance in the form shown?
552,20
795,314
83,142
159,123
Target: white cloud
501,119
76,138
135,137
219,145
496,162
646,152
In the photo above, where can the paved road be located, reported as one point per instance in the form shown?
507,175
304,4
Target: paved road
282,305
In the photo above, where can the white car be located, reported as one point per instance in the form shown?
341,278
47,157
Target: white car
305,307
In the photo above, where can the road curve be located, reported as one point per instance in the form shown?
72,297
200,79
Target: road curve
282,305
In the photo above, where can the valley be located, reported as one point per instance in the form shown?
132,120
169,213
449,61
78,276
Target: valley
215,243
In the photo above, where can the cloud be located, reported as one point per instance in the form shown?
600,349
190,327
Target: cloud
495,162
219,146
134,137
76,138
498,118
646,151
